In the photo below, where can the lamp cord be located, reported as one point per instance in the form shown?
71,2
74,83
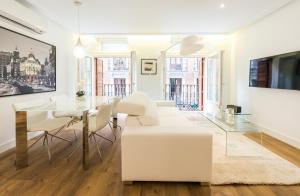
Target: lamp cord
78,21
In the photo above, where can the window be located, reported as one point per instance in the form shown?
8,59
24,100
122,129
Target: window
196,64
183,64
120,64
116,75
88,80
174,64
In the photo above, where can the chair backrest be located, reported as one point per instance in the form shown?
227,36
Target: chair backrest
114,103
34,117
59,98
103,116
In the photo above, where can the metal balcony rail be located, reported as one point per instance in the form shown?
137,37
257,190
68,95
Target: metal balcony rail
186,97
117,90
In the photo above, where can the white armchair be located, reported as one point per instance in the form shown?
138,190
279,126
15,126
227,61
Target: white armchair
98,120
73,116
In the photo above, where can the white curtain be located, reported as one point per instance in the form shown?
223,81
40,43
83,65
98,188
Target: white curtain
133,72
162,63
213,79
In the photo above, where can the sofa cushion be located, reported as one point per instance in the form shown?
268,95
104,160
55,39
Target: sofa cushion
134,105
150,118
132,109
132,121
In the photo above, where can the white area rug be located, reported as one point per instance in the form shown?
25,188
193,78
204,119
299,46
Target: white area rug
247,162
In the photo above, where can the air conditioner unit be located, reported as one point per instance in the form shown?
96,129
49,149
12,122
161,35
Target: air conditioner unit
14,13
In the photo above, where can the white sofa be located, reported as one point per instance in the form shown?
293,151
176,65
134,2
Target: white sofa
173,149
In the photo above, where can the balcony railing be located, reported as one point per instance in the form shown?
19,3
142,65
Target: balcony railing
118,90
186,97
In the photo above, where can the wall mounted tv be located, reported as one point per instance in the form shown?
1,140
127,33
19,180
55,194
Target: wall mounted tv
280,71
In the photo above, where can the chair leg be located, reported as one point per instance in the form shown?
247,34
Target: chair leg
47,146
60,138
102,137
118,126
98,147
112,130
75,134
58,131
42,136
44,140
71,122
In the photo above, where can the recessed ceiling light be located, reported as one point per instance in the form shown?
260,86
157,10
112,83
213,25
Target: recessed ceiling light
222,5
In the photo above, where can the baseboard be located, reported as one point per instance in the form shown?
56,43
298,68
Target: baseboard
7,145
12,143
287,139
282,137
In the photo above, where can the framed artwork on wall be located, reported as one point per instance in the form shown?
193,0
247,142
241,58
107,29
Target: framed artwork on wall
27,65
149,66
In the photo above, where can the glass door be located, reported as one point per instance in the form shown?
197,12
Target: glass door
213,73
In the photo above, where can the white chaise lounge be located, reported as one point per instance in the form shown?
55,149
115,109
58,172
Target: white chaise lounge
171,149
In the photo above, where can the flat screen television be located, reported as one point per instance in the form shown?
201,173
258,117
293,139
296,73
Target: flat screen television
280,71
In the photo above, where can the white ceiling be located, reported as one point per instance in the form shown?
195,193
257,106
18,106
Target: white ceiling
158,16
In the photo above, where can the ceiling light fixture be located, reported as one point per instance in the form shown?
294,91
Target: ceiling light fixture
222,5
190,45
79,50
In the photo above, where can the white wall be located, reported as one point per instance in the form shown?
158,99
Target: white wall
149,47
276,110
65,67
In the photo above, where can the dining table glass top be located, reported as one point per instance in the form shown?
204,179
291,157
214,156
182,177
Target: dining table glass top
69,105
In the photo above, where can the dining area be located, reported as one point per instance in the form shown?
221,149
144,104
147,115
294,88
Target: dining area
48,119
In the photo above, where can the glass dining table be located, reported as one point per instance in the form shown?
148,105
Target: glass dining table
81,107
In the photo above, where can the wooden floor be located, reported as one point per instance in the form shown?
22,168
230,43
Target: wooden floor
62,177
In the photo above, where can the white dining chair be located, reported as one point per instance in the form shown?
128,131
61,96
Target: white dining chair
114,113
39,121
73,116
98,119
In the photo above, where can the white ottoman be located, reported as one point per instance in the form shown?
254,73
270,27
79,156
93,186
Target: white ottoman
163,153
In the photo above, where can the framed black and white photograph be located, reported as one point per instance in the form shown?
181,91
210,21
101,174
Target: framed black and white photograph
149,66
27,65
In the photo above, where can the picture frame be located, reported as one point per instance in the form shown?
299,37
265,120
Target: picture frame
27,65
149,66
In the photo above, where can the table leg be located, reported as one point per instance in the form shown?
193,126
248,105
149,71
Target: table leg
21,140
85,141
115,122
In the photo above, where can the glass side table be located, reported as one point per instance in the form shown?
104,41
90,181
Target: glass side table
237,124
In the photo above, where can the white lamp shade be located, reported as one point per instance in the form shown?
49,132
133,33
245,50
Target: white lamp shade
190,45
79,51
